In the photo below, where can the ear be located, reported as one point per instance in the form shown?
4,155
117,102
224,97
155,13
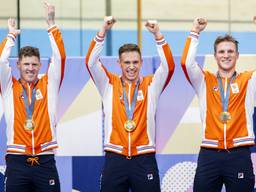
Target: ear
214,55
40,65
18,64
237,55
118,61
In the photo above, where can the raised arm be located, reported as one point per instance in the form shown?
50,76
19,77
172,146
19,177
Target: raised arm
165,71
5,51
97,71
57,65
192,70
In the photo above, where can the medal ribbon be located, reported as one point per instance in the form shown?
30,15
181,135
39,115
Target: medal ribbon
129,112
225,100
29,108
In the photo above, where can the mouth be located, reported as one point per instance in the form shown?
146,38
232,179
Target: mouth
30,74
131,73
226,61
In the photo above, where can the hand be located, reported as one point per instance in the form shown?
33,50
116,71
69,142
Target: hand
199,24
50,13
12,27
153,27
109,21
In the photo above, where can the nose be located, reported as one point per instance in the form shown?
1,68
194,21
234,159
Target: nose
132,66
30,67
226,54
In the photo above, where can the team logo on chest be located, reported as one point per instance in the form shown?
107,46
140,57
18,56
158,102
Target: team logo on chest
215,88
234,88
140,96
39,94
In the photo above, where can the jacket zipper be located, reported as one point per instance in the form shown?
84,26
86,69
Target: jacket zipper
225,124
129,134
32,132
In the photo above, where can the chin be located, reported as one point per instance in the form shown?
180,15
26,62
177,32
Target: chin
132,79
226,67
30,80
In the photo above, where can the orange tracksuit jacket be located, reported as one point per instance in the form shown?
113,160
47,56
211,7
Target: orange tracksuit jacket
42,140
142,139
216,134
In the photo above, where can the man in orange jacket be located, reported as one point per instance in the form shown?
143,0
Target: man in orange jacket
30,105
130,103
226,105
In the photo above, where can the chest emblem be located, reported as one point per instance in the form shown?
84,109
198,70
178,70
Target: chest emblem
140,96
234,88
215,88
39,94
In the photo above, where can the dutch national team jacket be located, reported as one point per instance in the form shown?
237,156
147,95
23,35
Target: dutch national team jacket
239,130
42,140
117,139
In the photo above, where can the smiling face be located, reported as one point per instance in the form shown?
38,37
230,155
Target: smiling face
29,64
29,68
226,56
226,53
130,62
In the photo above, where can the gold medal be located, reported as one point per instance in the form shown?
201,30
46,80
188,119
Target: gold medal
29,125
225,116
129,125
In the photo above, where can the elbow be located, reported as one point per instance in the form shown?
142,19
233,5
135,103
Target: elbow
88,63
87,60
183,61
64,56
172,68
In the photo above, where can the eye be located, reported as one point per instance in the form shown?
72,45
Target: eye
126,62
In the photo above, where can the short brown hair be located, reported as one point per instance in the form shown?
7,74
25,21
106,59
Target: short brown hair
29,51
226,37
130,47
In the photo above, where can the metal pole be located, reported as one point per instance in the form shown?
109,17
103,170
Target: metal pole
109,38
229,17
139,20
81,27
18,25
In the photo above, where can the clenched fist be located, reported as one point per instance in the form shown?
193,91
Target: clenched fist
199,25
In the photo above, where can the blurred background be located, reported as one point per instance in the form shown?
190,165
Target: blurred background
80,19
80,156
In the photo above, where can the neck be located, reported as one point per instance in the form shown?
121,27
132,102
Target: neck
226,73
130,81
26,82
